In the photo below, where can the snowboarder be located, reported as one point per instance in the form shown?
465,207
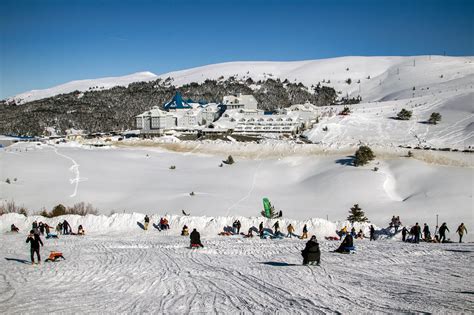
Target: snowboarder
426,232
260,229
277,227
311,252
372,233
461,229
185,231
404,234
442,232
305,232
347,245
195,239
290,230
417,232
35,241
13,228
147,221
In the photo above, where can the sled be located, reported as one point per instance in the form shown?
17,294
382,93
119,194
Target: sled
55,256
332,238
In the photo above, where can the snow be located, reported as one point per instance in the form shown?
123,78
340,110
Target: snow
303,181
82,86
119,268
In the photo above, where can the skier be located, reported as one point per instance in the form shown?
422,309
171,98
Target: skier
35,241
305,232
277,227
195,239
311,252
417,232
13,228
260,229
461,229
347,245
442,232
290,230
404,234
426,232
372,233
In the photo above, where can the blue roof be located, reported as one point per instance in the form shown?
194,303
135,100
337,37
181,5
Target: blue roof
177,103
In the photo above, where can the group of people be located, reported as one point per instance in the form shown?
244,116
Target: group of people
415,234
163,225
395,223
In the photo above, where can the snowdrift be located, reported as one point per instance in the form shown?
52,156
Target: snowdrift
207,226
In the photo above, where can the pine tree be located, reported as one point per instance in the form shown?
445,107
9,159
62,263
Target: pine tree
404,114
363,155
434,118
357,215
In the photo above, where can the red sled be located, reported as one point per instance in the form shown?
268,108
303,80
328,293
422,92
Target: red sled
55,256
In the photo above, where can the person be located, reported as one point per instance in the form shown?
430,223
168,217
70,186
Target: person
290,230
147,221
238,225
372,233
250,233
277,227
195,239
353,232
442,232
59,228
347,245
260,229
234,227
280,214
41,228
35,242
164,224
392,222
66,228
397,224
80,230
461,229
360,234
185,231
417,232
34,226
47,228
342,232
13,228
426,232
404,234
311,251
305,232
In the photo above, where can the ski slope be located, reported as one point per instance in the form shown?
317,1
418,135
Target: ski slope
119,268
303,184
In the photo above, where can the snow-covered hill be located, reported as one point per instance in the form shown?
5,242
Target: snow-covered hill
82,86
381,78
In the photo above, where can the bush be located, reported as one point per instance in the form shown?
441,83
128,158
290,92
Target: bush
434,118
79,208
404,114
11,207
356,215
172,167
363,155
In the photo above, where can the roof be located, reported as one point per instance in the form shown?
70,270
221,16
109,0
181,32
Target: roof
177,103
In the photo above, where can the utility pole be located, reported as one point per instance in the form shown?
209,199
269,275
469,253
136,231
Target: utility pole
414,62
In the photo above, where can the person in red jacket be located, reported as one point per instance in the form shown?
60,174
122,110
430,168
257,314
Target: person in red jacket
35,241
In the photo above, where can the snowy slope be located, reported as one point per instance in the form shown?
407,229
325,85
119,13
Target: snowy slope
129,270
390,77
82,85
303,184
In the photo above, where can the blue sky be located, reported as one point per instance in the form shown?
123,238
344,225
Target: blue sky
49,42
